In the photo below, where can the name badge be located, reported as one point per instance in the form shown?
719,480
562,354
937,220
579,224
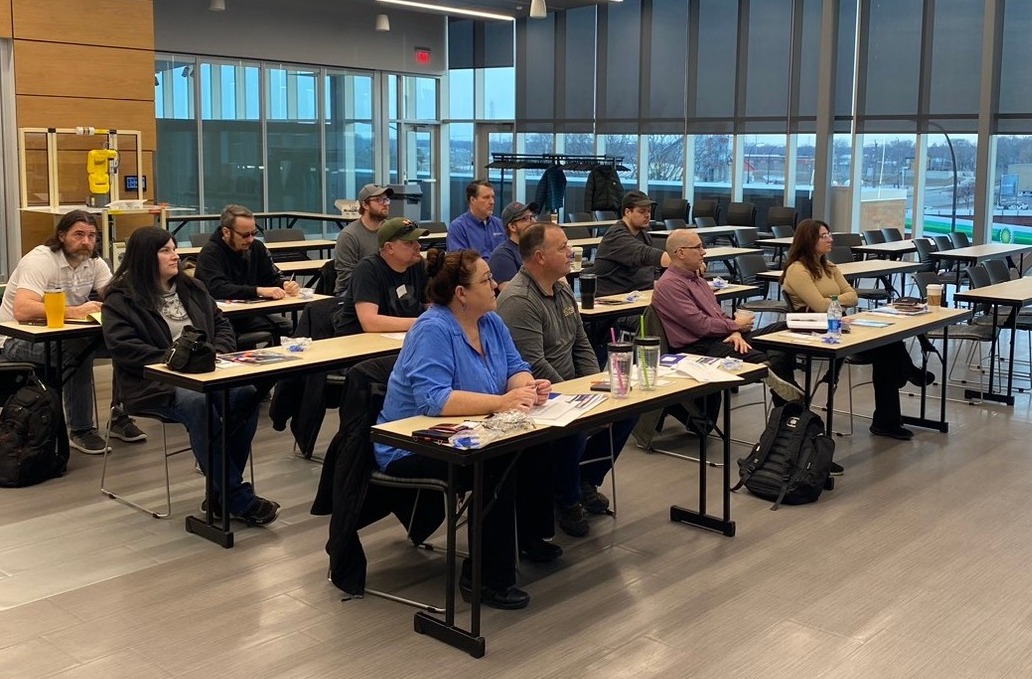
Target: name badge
401,291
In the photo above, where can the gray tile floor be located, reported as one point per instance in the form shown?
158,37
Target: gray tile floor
917,565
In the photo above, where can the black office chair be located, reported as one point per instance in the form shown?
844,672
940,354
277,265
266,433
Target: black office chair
747,267
892,234
874,236
782,231
741,214
283,236
840,254
782,216
943,243
579,217
849,240
674,208
198,240
703,222
960,239
675,223
999,272
605,216
707,207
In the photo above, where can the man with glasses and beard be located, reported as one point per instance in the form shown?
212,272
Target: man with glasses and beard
67,261
234,265
358,239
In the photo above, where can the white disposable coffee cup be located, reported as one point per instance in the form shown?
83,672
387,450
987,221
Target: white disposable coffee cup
578,257
934,292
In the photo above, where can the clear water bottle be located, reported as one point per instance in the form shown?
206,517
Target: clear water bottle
835,320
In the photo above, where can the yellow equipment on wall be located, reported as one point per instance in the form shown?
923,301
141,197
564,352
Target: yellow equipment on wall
100,164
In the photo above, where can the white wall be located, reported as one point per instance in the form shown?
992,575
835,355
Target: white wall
322,32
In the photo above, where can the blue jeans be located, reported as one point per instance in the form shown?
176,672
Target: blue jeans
567,454
189,410
78,391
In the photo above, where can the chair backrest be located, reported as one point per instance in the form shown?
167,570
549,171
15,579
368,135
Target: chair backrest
199,239
579,217
891,234
673,208
707,207
943,243
748,266
998,271
705,221
960,239
654,327
840,254
675,223
782,216
577,232
874,236
316,320
605,216
978,277
434,227
925,248
741,214
282,235
849,240
327,284
782,230
746,237
923,279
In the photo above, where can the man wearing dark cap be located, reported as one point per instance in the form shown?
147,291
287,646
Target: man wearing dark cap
388,289
505,260
626,260
358,239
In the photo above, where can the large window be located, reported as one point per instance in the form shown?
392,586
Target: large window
293,136
231,136
763,172
665,170
175,163
350,151
1012,190
713,155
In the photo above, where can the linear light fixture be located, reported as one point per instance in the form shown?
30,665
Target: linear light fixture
448,10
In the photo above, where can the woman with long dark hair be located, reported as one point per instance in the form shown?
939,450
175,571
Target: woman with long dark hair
810,281
146,306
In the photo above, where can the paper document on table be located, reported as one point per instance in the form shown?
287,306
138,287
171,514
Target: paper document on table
704,369
908,310
400,336
562,409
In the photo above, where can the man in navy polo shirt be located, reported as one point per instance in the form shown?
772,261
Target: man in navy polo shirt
477,228
505,260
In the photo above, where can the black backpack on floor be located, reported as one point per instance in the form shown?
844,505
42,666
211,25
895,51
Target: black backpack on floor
33,439
791,462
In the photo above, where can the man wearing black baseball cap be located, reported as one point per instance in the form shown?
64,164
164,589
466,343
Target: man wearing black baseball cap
388,289
358,239
505,261
626,260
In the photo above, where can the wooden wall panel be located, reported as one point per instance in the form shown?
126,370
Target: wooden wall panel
62,70
113,23
67,112
6,27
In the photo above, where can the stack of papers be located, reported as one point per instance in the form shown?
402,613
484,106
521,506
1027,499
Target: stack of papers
703,369
562,409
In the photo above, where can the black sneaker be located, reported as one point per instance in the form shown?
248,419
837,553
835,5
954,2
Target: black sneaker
591,500
124,428
836,469
87,441
571,520
508,599
897,432
261,512
539,551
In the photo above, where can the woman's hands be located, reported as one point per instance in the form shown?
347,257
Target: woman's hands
519,398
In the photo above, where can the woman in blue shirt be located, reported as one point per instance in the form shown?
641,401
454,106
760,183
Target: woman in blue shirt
459,360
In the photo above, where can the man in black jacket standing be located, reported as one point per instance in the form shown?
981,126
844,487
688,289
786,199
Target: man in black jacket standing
233,265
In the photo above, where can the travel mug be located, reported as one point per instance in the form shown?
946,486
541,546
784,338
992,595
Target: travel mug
647,351
620,369
587,291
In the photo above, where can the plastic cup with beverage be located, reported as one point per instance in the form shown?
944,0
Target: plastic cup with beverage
744,315
54,307
620,369
647,350
934,292
578,257
587,291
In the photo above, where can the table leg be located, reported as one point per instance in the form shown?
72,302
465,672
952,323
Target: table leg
941,425
205,527
990,395
700,518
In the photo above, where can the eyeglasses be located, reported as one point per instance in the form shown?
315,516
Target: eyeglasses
529,217
380,199
691,247
826,236
489,279
246,234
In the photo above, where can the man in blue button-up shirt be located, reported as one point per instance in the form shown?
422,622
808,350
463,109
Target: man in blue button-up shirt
477,228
